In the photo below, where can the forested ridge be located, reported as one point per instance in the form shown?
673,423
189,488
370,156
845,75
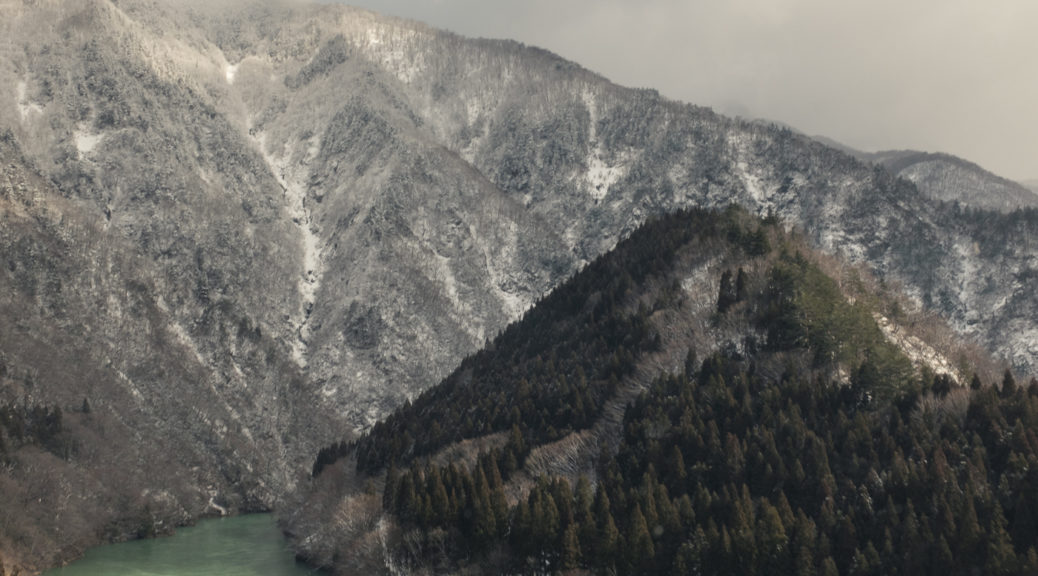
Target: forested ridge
810,447
550,372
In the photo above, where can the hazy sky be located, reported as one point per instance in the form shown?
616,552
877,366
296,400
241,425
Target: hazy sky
958,76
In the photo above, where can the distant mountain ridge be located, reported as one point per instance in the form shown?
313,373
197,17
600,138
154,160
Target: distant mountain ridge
316,212
952,179
949,178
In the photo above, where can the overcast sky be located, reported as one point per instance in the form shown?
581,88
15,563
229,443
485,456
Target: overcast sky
957,76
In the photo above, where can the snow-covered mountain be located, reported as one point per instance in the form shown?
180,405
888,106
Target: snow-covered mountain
948,178
952,179
314,212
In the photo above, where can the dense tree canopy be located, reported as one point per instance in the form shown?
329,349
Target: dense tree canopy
819,450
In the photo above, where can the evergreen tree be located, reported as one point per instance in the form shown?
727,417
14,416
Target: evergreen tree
570,548
726,296
1001,559
484,526
741,286
975,383
608,538
771,540
389,489
1008,384
639,549
438,500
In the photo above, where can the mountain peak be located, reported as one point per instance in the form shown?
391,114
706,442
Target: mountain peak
259,230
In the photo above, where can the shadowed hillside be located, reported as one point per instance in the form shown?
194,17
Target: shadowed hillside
588,435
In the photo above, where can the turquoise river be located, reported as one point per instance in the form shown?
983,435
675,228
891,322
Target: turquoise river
242,546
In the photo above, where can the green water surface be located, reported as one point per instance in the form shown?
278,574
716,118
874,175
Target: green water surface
241,546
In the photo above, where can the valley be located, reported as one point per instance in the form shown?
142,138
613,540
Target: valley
239,234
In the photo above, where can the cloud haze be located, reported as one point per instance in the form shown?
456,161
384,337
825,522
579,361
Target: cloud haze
956,76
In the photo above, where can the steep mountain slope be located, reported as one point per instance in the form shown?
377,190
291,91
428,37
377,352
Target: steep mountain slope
359,128
323,210
951,179
150,434
948,178
459,481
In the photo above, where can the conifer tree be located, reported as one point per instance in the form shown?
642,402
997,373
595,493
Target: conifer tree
484,525
741,286
1001,559
726,294
639,549
771,539
608,539
1008,384
390,488
975,383
570,548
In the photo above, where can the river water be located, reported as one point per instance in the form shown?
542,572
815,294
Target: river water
248,545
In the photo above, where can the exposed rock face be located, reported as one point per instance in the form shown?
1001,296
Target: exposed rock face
280,222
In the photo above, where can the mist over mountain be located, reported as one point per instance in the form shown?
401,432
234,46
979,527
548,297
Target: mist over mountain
245,230
949,178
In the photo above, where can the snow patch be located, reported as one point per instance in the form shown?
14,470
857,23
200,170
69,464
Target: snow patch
919,352
86,141
184,338
837,242
514,304
397,50
442,272
230,71
26,107
966,252
751,182
1021,349
601,175
698,285
293,177
445,275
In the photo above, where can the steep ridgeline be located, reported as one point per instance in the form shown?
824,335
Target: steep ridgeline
948,178
114,423
951,179
403,193
294,218
589,436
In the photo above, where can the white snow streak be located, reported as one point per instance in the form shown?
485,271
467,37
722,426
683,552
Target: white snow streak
600,174
919,352
292,178
751,182
230,72
26,107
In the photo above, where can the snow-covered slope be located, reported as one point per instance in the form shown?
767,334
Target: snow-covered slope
951,179
337,206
